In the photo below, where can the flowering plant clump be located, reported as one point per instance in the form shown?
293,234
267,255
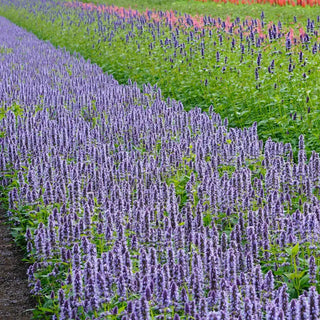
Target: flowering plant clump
131,207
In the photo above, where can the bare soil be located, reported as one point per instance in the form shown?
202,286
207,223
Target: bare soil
15,299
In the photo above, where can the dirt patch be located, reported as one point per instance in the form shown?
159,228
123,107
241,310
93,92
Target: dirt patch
15,297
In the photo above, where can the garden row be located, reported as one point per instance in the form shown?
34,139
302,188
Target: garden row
131,207
275,9
281,3
251,69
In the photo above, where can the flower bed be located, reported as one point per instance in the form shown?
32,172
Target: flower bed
131,207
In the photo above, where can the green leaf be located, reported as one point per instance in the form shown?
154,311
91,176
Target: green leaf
304,280
46,309
120,310
295,275
290,276
288,251
295,250
301,274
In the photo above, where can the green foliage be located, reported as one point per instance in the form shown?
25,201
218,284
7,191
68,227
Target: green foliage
291,267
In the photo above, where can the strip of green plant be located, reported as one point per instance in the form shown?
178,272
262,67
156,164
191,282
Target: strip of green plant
273,13
230,86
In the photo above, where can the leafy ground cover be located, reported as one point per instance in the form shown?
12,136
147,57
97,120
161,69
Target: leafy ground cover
249,69
131,207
